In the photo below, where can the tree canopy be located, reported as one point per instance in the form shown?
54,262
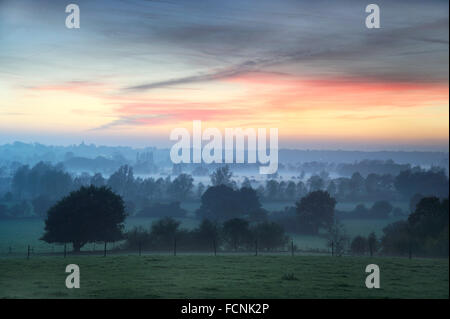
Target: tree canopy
316,210
91,214
222,202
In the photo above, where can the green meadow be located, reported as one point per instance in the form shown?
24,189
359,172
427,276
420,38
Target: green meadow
197,276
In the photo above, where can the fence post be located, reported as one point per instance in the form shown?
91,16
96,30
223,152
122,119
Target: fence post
104,250
65,250
410,250
292,248
175,247
140,248
28,252
332,248
215,248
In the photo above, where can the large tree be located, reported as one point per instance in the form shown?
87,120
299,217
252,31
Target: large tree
430,217
316,210
91,214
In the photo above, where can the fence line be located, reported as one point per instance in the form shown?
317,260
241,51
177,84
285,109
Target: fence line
31,252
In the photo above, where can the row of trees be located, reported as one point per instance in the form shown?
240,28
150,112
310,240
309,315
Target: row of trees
97,214
94,214
44,179
424,233
374,187
53,181
234,234
312,212
379,210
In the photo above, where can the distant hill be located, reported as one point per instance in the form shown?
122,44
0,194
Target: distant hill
83,155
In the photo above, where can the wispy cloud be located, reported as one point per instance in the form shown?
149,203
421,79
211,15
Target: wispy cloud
132,120
248,66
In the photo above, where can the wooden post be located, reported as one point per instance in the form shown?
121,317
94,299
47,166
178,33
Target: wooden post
292,248
65,250
410,250
104,250
215,248
140,248
175,247
332,248
28,253
256,248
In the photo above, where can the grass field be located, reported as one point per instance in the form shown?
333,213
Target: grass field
195,276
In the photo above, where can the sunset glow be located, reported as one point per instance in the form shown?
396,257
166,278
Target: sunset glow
55,83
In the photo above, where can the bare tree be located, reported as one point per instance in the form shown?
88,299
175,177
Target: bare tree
337,239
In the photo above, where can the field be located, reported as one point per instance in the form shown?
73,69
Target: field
196,276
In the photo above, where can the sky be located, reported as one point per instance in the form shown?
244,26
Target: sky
137,69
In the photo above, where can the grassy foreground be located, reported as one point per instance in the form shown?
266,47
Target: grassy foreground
223,277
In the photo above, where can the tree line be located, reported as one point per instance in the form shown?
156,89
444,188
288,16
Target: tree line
94,214
33,190
235,234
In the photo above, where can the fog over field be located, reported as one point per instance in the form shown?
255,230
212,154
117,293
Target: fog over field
372,189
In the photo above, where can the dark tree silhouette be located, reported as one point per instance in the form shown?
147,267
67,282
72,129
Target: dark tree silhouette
164,232
425,232
222,202
218,203
359,245
90,214
396,239
270,235
432,183
429,218
248,199
207,234
237,233
316,210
